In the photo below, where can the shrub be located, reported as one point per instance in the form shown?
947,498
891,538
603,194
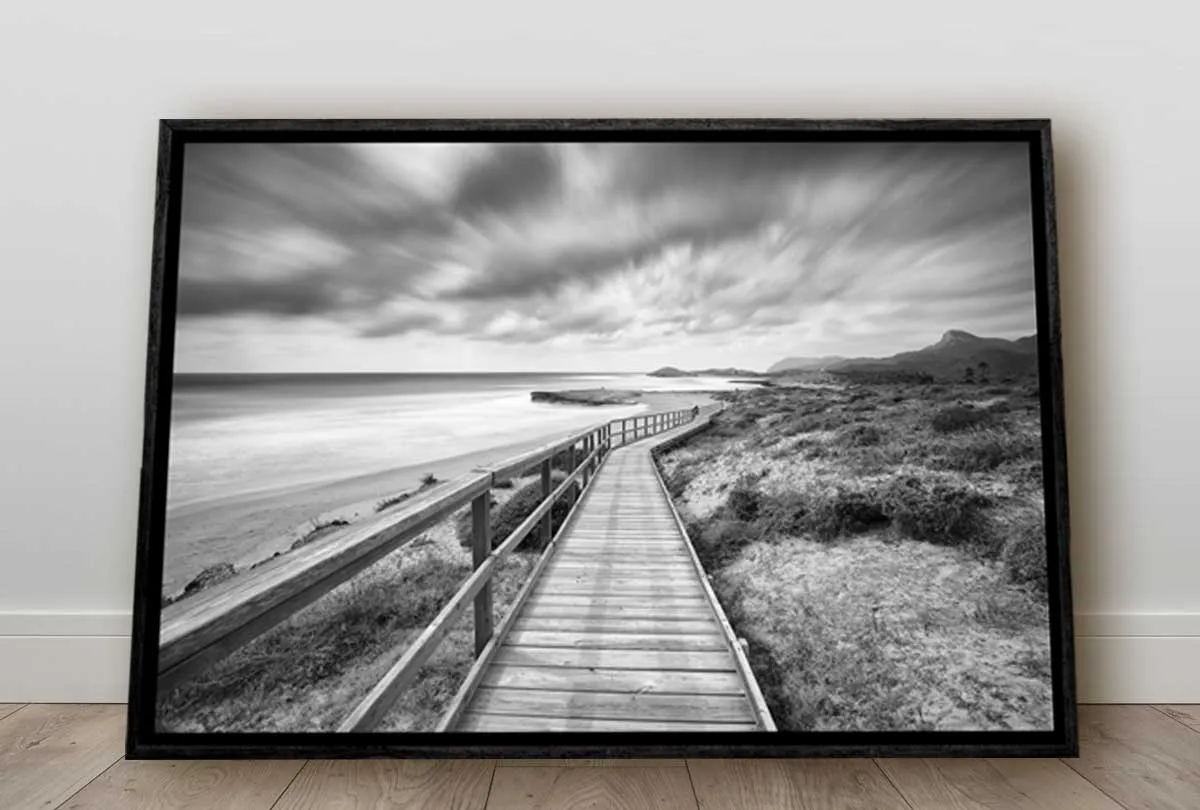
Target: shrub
940,512
1024,554
988,450
724,428
861,435
388,503
998,390
743,502
719,541
428,480
207,579
785,514
845,511
678,481
1000,406
509,516
959,417
318,529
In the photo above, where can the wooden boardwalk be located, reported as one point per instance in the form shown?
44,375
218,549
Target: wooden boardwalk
619,630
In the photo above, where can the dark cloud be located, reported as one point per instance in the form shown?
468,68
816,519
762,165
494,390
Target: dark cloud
509,177
304,295
404,324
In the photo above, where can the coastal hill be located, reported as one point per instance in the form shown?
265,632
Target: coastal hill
671,371
805,363
949,358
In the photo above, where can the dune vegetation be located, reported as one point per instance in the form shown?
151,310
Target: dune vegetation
880,547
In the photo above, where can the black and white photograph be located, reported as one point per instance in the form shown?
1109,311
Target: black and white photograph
593,435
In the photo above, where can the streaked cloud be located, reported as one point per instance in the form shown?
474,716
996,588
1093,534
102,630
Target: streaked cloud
596,255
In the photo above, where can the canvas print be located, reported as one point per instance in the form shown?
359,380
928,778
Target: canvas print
605,436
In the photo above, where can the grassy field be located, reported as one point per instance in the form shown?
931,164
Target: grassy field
881,548
308,673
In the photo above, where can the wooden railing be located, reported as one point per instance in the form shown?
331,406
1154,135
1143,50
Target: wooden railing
201,630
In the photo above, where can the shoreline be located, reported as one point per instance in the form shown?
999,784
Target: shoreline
247,528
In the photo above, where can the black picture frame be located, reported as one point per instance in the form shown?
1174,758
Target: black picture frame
145,742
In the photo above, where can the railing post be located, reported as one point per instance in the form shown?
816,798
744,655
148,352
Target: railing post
481,547
547,521
571,466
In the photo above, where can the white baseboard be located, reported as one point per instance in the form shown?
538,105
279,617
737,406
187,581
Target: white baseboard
64,669
84,657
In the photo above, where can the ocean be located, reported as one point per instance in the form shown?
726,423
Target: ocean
237,434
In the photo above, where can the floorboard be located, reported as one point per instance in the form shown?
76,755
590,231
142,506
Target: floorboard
1188,715
978,784
576,788
49,751
830,784
375,784
245,784
8,708
1140,757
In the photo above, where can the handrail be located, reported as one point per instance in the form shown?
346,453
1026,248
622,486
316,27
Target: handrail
198,632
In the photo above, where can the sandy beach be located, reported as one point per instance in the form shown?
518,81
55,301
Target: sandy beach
243,530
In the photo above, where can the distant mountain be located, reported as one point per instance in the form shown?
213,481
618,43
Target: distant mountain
951,356
671,371
804,363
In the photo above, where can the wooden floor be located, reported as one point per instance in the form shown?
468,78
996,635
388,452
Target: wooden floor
619,632
1133,757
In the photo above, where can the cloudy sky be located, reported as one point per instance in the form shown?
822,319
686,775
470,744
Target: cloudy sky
594,256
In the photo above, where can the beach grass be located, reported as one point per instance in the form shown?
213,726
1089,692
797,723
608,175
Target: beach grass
881,549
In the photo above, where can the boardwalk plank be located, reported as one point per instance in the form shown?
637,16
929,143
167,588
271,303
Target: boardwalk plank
616,659
617,624
619,601
617,641
478,721
612,705
608,611
616,680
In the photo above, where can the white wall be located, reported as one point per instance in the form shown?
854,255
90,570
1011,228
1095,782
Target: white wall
83,83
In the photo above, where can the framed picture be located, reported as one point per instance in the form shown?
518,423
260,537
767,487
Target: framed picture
603,438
